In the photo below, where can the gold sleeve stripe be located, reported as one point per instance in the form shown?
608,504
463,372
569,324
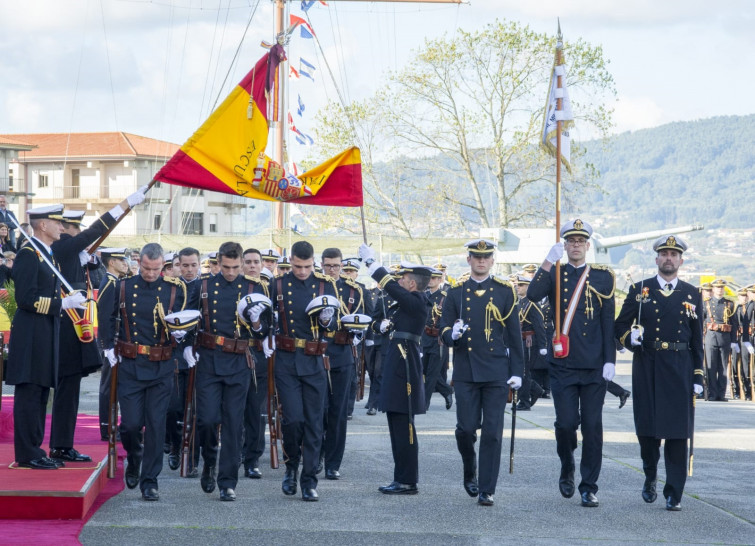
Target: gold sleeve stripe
42,305
446,329
623,338
698,372
384,281
103,222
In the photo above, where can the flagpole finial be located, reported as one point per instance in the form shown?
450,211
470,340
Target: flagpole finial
559,37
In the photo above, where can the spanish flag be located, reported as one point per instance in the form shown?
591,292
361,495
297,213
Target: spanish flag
227,153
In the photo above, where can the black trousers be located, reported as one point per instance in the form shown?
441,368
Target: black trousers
334,424
220,401
65,408
374,361
254,422
614,388
531,389
740,372
29,411
432,366
104,398
481,406
303,405
675,458
144,405
542,377
578,396
405,452
717,359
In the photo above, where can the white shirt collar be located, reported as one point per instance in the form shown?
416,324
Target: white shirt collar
663,282
40,243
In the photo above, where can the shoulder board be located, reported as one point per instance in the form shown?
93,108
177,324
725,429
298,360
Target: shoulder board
457,283
173,280
503,282
444,293
257,280
351,283
323,276
602,267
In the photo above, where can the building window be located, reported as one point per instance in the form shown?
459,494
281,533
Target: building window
158,220
193,223
10,181
213,223
191,191
43,181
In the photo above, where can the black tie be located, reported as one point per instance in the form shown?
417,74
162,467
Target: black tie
669,287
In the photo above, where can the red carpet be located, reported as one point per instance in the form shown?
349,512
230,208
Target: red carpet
52,506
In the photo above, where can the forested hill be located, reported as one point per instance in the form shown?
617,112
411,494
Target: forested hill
681,173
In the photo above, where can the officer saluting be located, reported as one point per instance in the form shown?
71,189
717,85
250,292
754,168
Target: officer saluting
480,321
145,351
584,358
667,366
33,352
402,392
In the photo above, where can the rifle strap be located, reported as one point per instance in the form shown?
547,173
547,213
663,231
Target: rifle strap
205,306
281,307
124,317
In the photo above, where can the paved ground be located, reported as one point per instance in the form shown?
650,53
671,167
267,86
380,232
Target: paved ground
718,507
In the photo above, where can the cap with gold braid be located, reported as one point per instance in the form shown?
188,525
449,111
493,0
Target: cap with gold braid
576,227
480,247
50,212
74,217
670,242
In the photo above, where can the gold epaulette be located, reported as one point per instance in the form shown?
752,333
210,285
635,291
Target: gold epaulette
602,267
443,293
257,280
590,288
503,282
178,282
351,283
204,276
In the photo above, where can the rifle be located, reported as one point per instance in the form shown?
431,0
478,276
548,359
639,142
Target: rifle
358,365
112,418
189,428
273,409
514,401
692,436
740,366
362,372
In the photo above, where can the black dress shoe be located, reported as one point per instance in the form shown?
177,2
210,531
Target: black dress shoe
174,460
648,491
193,473
227,494
150,494
309,495
449,401
289,481
566,482
42,463
470,486
372,411
253,472
207,481
320,465
546,394
672,505
485,499
166,447
623,398
132,473
396,488
521,406
332,475
589,499
69,454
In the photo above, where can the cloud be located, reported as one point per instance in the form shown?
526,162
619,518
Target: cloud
632,113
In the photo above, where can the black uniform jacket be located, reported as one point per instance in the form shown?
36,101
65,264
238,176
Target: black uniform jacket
292,298
532,319
591,337
662,378
221,319
145,303
409,318
491,348
719,312
430,343
352,301
33,351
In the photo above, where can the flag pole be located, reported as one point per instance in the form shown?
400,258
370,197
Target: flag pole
364,225
559,106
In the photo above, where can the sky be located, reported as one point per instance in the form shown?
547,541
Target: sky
156,68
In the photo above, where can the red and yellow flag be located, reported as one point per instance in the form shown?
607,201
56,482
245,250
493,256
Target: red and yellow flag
227,153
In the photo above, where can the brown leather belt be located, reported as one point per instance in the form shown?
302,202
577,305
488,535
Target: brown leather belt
716,327
339,337
154,353
432,331
290,344
225,344
527,334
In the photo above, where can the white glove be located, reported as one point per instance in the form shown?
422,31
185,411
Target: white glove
458,329
136,198
256,311
543,352
84,258
609,371
178,335
384,325
623,350
357,339
110,354
555,253
369,343
268,346
515,382
735,347
75,300
636,337
326,314
749,348
189,357
366,254
697,388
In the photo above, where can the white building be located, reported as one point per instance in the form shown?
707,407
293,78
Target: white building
95,171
